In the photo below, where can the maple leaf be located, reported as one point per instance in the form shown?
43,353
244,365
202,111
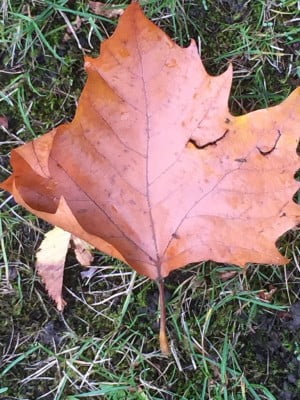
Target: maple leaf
155,170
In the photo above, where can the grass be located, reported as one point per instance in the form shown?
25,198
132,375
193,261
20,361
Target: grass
226,341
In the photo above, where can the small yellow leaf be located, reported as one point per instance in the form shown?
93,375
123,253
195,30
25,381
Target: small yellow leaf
50,262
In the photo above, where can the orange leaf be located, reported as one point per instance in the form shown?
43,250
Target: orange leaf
154,169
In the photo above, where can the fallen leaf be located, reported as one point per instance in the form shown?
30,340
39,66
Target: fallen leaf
51,257
106,10
267,295
50,261
3,122
155,170
72,29
82,251
225,276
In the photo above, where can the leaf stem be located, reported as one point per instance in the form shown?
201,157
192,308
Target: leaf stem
163,338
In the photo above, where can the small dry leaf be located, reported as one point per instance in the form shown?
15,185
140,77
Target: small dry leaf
50,262
66,37
3,122
225,276
267,295
76,25
82,251
51,257
105,9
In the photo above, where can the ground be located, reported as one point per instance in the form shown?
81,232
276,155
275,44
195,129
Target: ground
234,333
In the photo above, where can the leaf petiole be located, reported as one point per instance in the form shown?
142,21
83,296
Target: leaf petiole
163,338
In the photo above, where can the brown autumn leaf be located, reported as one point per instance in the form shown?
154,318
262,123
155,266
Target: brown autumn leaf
225,276
82,251
51,257
267,295
155,170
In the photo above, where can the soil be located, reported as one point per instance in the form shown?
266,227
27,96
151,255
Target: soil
274,345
